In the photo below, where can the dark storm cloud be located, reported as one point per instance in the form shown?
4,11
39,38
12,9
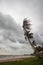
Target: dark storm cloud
12,31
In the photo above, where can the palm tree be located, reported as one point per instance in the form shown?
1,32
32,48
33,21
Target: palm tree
27,32
29,36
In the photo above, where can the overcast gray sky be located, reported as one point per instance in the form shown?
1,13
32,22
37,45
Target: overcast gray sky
20,9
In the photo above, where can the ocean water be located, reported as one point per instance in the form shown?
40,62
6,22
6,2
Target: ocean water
3,57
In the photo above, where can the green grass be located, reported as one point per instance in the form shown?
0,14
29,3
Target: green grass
29,61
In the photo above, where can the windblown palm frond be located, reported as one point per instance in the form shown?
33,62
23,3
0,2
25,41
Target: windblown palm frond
28,35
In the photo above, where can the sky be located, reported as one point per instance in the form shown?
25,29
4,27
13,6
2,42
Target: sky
12,40
20,9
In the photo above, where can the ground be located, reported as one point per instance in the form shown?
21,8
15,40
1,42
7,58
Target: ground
26,61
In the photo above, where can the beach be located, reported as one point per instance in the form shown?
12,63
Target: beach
6,58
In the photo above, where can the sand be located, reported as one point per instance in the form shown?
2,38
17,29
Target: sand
17,58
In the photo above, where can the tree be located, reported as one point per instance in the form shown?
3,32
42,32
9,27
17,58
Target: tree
38,51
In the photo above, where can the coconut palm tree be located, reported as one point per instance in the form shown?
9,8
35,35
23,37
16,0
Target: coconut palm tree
29,36
27,32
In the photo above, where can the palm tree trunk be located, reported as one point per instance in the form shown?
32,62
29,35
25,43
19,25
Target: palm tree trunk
31,44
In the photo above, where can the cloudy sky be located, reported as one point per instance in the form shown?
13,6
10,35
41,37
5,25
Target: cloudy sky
20,9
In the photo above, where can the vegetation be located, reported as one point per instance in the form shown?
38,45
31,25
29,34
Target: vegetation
28,61
38,50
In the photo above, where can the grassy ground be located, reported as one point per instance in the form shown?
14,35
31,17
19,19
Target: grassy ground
28,61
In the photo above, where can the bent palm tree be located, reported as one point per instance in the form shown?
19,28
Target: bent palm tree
29,36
